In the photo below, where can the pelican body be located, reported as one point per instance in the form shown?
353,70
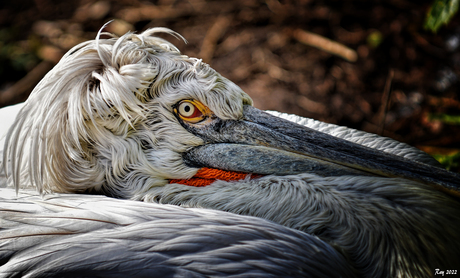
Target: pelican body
133,119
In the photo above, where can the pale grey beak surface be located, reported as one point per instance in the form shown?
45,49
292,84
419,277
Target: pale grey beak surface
261,143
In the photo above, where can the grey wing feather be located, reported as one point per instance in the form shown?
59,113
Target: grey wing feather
363,138
93,236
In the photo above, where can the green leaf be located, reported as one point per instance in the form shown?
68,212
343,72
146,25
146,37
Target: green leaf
375,39
441,12
447,119
449,161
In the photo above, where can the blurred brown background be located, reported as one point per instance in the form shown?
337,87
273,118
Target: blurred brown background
389,75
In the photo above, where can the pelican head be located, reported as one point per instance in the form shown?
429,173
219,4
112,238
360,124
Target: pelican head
102,120
125,116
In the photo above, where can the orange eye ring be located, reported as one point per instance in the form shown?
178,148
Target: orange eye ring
192,111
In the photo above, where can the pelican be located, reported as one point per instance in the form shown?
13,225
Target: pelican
226,189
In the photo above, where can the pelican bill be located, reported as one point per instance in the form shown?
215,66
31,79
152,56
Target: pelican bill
265,144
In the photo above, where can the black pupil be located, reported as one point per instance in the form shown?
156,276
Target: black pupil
187,108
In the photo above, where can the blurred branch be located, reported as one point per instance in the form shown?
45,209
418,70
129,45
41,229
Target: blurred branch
444,102
155,12
325,44
385,101
310,105
213,35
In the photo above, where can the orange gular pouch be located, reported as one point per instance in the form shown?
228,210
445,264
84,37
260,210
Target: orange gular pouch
206,176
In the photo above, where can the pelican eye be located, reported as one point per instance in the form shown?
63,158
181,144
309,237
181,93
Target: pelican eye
192,111
188,110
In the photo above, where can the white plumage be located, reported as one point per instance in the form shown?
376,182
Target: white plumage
94,236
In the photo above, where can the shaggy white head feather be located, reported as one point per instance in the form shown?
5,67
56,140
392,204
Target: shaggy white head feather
102,119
